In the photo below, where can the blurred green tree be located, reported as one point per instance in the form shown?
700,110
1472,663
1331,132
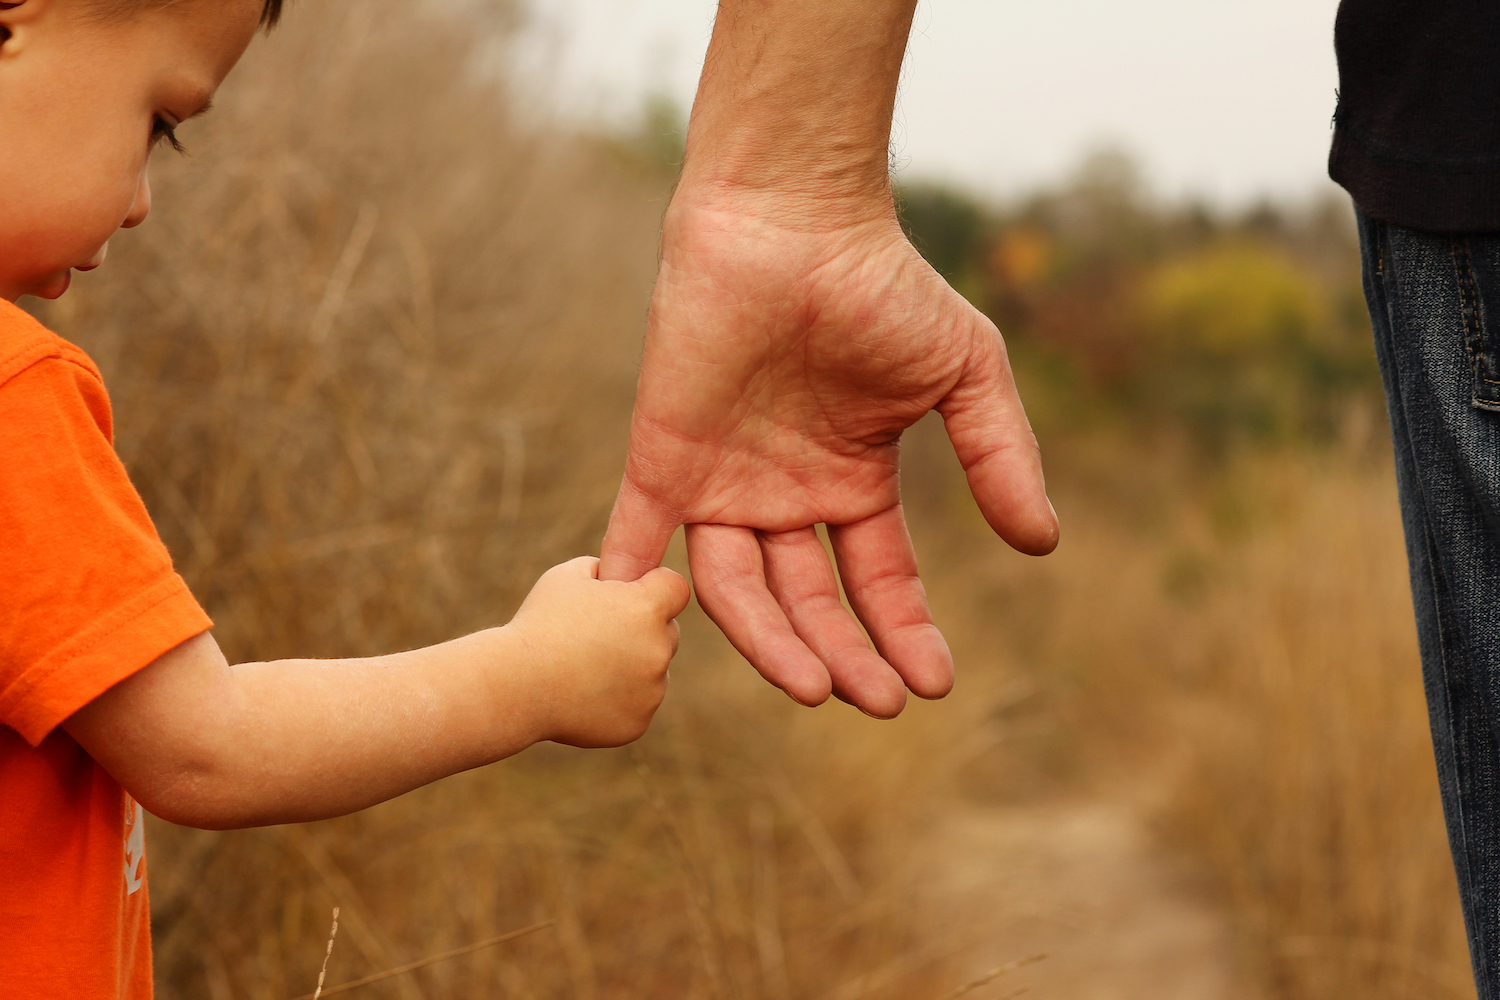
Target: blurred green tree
945,225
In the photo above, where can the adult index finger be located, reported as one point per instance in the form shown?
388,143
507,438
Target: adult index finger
639,530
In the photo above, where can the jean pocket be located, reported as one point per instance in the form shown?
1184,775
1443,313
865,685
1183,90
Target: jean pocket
1477,262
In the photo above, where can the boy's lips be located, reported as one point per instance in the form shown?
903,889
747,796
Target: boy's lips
93,261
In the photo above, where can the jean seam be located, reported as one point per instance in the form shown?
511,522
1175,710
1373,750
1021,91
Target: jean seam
1473,326
1479,954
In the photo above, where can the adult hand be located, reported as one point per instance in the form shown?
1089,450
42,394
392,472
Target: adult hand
787,348
794,334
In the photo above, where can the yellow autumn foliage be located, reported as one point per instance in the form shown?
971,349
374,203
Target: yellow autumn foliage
1239,298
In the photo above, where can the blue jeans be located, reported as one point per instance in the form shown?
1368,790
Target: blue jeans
1435,307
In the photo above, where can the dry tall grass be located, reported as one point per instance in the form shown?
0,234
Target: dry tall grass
1313,795
372,360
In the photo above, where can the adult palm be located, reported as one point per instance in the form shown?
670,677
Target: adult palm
784,356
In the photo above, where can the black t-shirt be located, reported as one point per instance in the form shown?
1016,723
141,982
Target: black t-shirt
1417,130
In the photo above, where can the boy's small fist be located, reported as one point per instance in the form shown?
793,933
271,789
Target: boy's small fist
602,648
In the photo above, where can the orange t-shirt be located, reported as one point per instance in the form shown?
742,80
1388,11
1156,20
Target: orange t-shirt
87,597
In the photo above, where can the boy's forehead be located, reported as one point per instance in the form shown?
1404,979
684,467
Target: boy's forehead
217,31
228,19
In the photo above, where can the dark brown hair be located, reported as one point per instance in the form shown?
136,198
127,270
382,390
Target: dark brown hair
111,10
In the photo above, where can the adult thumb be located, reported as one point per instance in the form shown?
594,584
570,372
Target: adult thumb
995,444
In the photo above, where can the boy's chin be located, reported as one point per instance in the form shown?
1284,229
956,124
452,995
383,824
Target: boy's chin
53,286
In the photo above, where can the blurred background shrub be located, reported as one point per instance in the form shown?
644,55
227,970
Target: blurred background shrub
1246,329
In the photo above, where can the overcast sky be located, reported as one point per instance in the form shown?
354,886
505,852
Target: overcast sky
1226,99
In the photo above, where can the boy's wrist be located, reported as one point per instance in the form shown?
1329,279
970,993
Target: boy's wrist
512,684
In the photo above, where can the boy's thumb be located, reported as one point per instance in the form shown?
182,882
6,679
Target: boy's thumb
668,591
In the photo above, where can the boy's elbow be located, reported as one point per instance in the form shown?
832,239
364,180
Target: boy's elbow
176,810
224,799
167,734
182,775
192,800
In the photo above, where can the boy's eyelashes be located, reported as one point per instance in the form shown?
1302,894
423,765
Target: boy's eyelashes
161,129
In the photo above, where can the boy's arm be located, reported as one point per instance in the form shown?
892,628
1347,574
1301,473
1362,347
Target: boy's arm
203,743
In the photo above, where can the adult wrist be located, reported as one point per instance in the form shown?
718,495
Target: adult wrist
720,200
794,107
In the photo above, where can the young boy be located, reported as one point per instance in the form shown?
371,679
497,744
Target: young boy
113,694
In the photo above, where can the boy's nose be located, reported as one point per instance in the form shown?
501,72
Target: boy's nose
141,207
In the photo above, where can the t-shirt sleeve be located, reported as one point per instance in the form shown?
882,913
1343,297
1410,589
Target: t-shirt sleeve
88,595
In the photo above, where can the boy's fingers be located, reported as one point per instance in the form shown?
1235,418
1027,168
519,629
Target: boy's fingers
581,566
668,590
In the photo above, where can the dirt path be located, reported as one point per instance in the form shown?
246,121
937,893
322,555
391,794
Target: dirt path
1083,882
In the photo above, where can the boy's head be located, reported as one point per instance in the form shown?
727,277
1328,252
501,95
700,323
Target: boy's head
87,89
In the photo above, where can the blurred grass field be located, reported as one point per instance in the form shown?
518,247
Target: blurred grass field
372,361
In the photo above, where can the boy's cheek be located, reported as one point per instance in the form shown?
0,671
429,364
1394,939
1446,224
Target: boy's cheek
33,261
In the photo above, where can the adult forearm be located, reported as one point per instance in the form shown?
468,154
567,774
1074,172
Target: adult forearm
796,99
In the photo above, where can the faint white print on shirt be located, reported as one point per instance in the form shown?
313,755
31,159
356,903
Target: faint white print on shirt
135,845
